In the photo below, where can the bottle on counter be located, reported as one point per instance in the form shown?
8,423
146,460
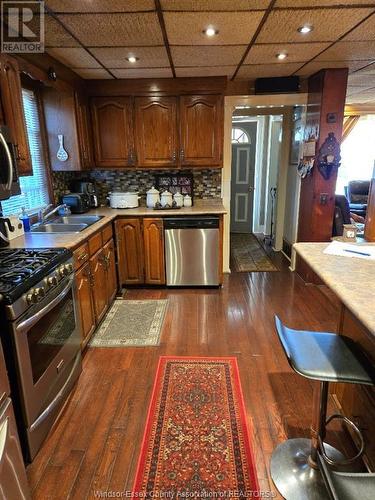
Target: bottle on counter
24,217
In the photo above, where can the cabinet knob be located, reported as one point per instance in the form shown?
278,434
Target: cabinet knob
182,154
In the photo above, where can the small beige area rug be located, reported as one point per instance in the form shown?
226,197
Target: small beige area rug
131,323
247,255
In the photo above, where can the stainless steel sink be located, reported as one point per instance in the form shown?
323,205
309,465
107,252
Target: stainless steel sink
59,228
77,219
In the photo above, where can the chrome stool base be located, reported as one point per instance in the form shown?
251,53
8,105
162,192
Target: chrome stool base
293,476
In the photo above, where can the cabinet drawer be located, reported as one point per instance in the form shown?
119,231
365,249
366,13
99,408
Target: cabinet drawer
107,233
95,243
81,255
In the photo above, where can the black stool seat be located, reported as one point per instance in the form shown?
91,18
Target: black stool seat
348,485
326,357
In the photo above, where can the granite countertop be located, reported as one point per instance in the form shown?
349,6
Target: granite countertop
73,240
352,279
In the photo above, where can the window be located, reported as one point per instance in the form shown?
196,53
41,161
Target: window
34,188
239,136
357,154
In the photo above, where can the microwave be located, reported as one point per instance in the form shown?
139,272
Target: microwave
9,182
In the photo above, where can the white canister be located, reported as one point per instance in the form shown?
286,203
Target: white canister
166,199
153,197
179,199
187,201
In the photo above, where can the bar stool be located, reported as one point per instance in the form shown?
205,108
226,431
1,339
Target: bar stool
324,357
347,485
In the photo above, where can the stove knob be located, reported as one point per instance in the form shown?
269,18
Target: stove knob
39,293
52,280
31,298
61,271
68,268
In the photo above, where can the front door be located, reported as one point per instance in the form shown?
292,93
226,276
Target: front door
242,183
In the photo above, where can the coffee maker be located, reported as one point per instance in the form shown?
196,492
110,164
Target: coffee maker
86,187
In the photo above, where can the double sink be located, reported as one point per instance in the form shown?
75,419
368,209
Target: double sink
67,224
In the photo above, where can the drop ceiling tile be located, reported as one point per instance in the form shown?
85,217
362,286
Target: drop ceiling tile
74,57
213,55
351,90
364,97
316,66
55,34
319,3
329,24
370,69
365,31
235,28
362,80
297,52
213,5
115,57
349,51
93,74
206,71
100,5
108,30
267,70
142,73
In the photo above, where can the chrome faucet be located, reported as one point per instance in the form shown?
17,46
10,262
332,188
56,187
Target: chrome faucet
43,216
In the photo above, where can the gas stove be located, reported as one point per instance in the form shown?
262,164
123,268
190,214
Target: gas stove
26,275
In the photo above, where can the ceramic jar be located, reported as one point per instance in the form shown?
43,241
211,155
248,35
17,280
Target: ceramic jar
152,198
187,201
179,199
166,199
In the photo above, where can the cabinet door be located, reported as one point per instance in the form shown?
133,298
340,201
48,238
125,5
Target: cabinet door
112,131
98,280
11,98
129,251
84,131
156,131
201,123
110,261
85,302
153,236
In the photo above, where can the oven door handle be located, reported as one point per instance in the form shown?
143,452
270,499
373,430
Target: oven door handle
29,322
10,162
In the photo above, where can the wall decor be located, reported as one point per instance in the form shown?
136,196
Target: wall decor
62,155
175,183
329,157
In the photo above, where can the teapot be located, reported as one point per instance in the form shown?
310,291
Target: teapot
152,197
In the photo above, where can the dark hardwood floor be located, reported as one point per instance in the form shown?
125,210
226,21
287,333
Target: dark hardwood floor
96,442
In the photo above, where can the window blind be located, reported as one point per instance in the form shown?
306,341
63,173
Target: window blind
34,188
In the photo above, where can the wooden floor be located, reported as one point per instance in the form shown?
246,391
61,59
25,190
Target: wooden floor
95,445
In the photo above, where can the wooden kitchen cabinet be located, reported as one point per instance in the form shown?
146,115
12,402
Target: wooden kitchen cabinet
85,302
129,251
98,283
112,131
201,130
153,241
156,134
110,263
11,100
84,131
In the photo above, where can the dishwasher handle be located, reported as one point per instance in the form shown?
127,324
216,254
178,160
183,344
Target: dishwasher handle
191,223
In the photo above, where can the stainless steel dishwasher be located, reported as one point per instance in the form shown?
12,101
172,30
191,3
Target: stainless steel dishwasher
192,251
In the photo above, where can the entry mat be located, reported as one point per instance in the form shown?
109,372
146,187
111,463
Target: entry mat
247,255
196,442
131,323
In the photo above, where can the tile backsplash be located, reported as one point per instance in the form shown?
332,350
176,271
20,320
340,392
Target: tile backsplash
207,183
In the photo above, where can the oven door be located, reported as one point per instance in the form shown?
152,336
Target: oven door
47,342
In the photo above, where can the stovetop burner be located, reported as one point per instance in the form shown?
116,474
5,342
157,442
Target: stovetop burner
20,269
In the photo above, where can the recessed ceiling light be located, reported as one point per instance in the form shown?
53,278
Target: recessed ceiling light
282,55
305,29
132,59
210,31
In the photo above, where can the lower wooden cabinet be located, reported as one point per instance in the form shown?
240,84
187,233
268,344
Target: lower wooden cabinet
96,278
140,251
85,302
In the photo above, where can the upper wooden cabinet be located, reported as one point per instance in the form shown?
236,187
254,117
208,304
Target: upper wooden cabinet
201,123
66,118
156,137
11,99
113,131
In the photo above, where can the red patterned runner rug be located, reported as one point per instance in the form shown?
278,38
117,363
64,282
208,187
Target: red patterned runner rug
196,442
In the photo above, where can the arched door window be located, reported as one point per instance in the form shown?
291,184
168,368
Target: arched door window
240,136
